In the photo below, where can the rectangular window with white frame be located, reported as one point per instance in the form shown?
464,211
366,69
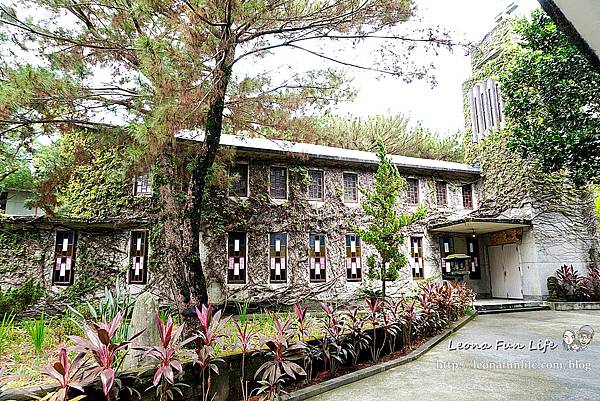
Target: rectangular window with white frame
64,257
318,257
278,257
238,174
142,185
416,257
350,187
138,270
316,188
237,257
353,258
278,182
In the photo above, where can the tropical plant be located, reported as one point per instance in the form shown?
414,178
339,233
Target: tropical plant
271,388
36,329
302,321
312,353
210,333
431,318
243,311
115,301
6,327
67,376
100,342
411,318
392,327
284,352
359,339
246,337
167,356
386,225
374,308
570,282
592,283
333,348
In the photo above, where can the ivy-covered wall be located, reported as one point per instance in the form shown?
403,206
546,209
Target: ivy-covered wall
258,215
564,227
27,250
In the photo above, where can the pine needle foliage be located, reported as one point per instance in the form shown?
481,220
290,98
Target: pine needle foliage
387,222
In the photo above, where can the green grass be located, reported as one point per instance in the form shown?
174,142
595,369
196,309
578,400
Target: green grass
36,329
6,326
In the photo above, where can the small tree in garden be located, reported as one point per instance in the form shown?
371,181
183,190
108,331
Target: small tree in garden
384,231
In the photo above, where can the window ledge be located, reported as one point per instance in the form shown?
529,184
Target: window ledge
352,204
278,201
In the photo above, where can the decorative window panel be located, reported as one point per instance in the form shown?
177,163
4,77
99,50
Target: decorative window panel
278,257
237,258
475,262
316,187
486,108
441,193
350,187
64,258
416,257
467,195
412,191
142,185
138,271
353,258
317,256
446,249
238,174
278,183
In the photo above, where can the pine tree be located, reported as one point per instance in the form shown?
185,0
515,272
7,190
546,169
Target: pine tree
385,228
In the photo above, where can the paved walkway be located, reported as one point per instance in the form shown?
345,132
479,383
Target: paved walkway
447,373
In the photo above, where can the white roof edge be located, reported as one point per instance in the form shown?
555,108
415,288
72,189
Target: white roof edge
328,152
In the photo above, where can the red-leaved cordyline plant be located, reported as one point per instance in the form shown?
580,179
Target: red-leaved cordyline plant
166,354
332,346
246,338
302,321
284,352
358,338
374,306
67,375
411,318
210,332
99,344
311,352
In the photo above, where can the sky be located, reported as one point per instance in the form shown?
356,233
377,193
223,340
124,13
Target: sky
439,108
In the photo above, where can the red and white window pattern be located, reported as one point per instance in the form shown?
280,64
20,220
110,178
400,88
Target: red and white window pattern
64,258
237,258
318,259
138,272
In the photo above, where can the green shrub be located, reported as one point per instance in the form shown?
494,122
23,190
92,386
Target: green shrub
15,301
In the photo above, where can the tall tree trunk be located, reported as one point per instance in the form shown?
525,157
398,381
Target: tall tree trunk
194,290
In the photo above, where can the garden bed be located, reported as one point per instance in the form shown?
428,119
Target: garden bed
303,391
335,344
